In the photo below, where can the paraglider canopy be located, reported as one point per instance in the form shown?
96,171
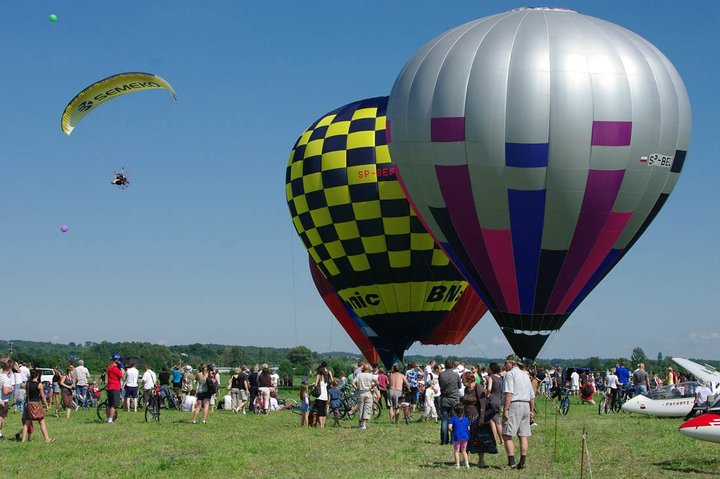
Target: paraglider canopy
107,89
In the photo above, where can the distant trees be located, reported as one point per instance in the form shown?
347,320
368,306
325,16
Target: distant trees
301,359
638,356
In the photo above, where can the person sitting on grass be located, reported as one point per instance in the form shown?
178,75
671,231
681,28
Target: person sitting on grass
586,393
459,427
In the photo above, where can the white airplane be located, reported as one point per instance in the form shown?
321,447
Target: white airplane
675,400
705,427
668,401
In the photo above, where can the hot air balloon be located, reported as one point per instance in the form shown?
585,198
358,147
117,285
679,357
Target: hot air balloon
353,218
107,89
459,321
350,322
537,145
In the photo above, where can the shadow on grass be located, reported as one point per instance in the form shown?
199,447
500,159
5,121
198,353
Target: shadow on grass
693,466
451,465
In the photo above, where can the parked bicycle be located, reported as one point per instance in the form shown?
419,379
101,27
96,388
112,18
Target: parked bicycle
102,410
153,403
564,401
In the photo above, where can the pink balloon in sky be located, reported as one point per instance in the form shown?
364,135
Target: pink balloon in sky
64,228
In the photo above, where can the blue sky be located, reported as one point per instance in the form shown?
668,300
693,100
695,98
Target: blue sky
200,248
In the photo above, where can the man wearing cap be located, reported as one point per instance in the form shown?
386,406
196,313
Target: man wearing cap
114,374
518,410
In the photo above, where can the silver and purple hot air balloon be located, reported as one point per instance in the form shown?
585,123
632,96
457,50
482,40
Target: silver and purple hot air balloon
538,145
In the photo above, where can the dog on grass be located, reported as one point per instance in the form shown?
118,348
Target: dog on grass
312,419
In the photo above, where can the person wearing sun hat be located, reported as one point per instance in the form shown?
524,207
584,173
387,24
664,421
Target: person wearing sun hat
518,411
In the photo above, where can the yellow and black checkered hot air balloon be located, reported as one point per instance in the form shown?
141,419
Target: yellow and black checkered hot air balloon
352,215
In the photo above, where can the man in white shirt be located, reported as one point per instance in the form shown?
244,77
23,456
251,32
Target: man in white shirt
575,382
6,390
274,380
131,388
612,384
428,372
149,379
518,410
82,376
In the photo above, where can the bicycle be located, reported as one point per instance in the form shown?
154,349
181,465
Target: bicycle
102,410
289,404
564,401
624,393
153,403
171,400
608,403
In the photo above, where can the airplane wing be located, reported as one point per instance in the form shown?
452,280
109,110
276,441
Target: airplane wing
705,373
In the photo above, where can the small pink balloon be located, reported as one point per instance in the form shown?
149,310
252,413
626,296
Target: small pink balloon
64,228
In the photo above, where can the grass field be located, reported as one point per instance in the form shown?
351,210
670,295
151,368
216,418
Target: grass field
236,446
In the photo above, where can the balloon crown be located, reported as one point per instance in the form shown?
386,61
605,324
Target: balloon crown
551,9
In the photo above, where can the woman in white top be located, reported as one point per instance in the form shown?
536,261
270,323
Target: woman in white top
321,402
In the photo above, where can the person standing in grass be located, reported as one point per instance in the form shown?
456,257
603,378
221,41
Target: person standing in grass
203,396
321,402
34,411
82,380
132,376
304,406
113,376
67,389
6,390
176,379
364,383
449,382
264,387
335,402
518,411
234,385
396,383
459,427
55,396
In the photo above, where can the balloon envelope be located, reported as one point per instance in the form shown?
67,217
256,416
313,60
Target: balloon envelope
538,145
351,323
353,217
64,228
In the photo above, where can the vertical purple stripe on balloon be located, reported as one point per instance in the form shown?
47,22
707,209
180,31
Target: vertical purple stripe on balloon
601,191
614,226
444,130
527,212
387,131
611,133
457,193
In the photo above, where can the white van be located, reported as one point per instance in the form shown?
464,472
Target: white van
46,375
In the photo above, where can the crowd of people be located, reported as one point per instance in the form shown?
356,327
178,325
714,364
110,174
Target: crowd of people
478,409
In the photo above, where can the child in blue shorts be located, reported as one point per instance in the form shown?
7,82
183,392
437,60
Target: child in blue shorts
304,405
459,426
335,403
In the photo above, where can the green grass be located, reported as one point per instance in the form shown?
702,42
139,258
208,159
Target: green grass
236,446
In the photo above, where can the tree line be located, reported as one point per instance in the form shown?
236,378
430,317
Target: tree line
299,360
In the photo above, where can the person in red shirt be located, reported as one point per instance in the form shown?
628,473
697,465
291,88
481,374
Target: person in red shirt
114,374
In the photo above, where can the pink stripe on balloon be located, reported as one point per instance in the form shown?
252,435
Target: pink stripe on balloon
611,133
499,247
387,130
601,191
457,193
614,226
444,130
